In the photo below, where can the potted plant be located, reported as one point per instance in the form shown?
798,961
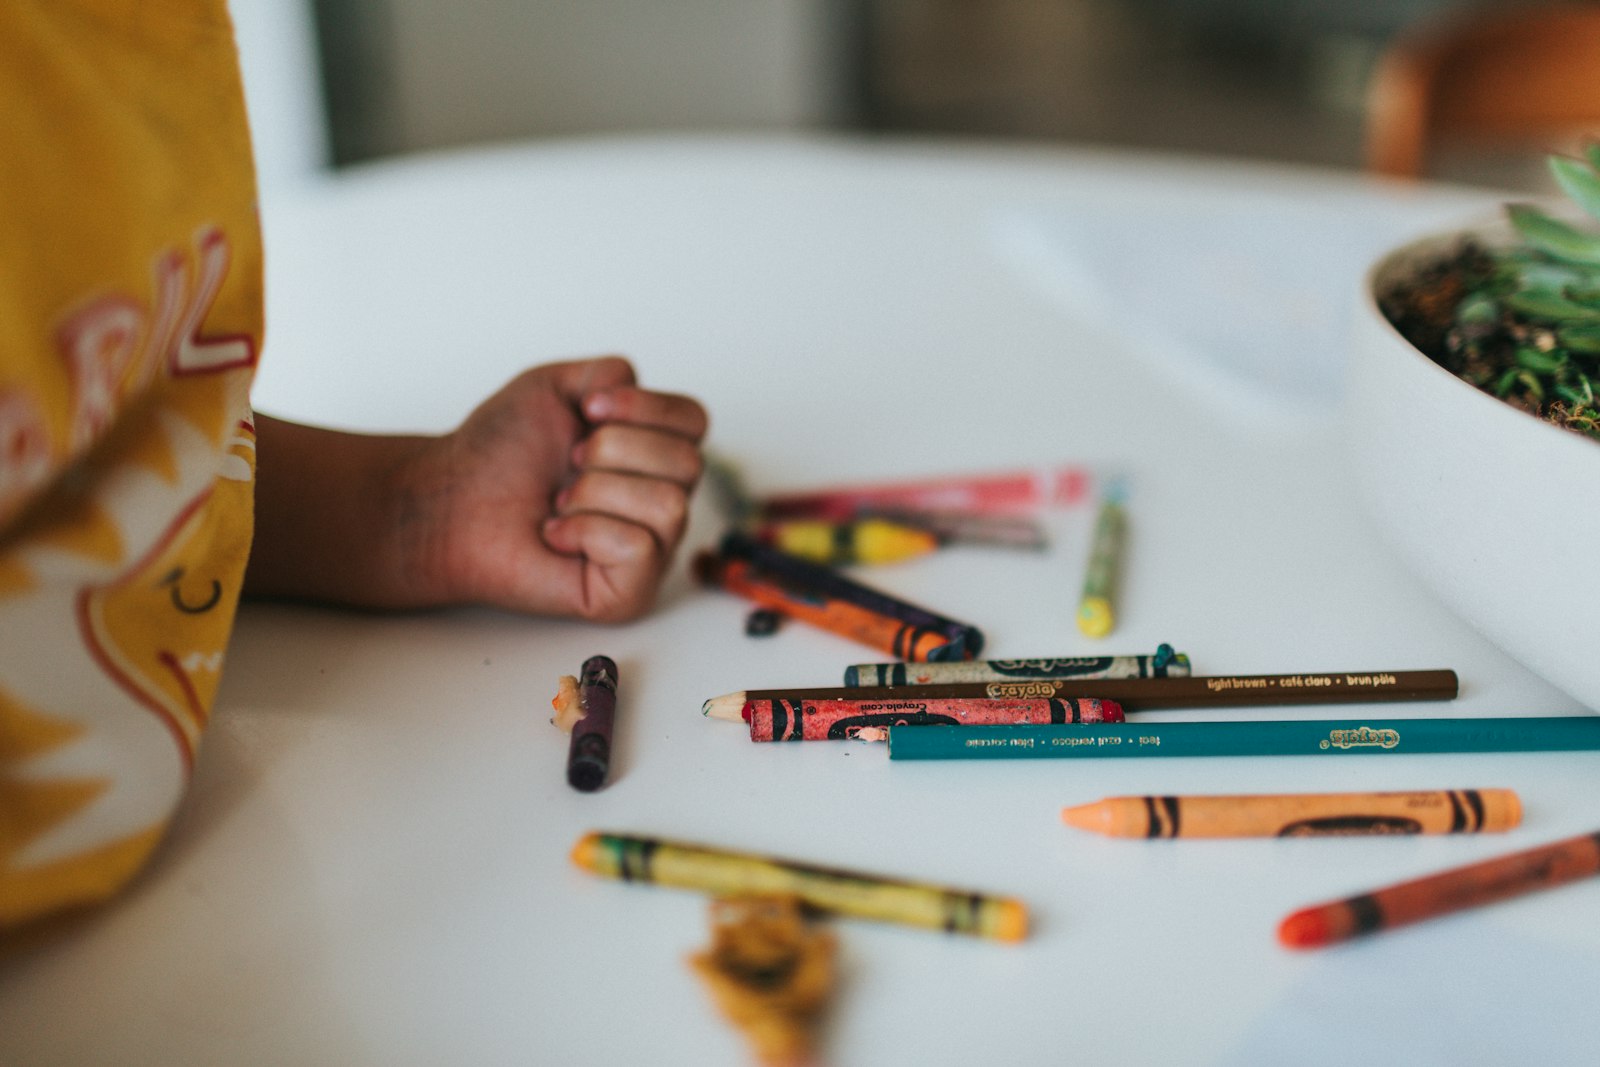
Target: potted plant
1472,422
1520,320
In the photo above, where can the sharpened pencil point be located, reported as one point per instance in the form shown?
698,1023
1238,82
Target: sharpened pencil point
728,706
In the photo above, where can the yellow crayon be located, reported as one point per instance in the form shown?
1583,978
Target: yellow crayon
1095,615
1439,811
864,896
869,541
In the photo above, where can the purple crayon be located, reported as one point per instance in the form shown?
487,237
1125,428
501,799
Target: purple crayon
589,758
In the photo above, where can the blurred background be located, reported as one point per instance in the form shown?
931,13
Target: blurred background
1267,79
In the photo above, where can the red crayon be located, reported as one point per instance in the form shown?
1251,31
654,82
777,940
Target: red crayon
1012,491
1439,894
845,720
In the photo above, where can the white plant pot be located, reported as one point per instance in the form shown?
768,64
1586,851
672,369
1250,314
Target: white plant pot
1495,510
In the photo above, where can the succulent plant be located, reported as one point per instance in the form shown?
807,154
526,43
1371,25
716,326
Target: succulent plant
1526,320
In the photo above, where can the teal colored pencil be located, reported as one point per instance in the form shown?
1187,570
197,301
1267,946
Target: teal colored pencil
1310,737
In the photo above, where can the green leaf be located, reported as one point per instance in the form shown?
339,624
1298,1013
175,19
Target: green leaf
1476,308
1577,396
1506,381
1556,238
1551,306
1541,362
1532,383
1585,338
1579,181
1558,276
1591,152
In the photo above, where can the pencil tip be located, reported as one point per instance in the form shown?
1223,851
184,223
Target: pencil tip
728,706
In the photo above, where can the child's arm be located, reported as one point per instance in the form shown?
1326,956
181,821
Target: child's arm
565,493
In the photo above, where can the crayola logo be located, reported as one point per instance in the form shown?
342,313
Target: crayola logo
1021,690
1361,737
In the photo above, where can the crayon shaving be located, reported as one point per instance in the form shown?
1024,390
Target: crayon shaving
770,974
568,708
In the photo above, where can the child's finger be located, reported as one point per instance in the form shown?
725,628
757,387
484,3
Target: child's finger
659,506
622,563
578,379
604,539
671,412
639,450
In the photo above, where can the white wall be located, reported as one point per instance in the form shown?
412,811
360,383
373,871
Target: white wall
283,92
467,70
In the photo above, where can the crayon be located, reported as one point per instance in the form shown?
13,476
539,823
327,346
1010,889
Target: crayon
963,528
726,486
966,640
1337,738
883,632
1165,663
762,622
1147,694
1006,492
841,720
869,541
1437,811
1096,612
589,756
864,896
1457,889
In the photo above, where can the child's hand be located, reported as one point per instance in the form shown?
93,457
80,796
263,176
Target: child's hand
565,493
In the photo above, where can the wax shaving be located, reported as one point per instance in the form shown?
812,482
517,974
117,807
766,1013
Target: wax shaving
770,973
568,708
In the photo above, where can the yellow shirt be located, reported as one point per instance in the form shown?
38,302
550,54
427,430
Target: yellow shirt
130,320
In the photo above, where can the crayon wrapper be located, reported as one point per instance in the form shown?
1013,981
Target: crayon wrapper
1000,670
843,720
1457,811
1010,492
836,616
1105,557
844,892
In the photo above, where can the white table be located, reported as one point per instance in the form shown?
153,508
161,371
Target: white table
372,865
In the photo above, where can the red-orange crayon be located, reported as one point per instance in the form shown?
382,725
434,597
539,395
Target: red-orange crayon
839,720
1439,894
904,640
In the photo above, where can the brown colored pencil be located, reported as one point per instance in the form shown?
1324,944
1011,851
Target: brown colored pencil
1145,694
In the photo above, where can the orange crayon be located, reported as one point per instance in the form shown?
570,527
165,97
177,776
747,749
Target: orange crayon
1440,811
1440,894
894,636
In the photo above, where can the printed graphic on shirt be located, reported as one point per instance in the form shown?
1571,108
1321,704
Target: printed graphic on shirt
119,583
